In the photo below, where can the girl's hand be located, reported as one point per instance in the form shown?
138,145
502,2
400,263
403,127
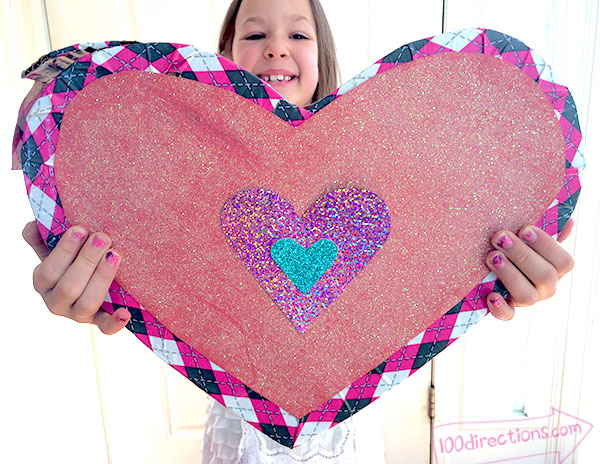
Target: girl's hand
74,278
529,266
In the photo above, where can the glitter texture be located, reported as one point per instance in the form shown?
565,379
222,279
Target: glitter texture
303,266
350,223
458,145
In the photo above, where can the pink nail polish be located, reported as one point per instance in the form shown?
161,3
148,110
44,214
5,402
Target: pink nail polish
504,241
98,242
495,302
112,258
78,236
530,236
498,261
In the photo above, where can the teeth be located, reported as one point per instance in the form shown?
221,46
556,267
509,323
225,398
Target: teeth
276,77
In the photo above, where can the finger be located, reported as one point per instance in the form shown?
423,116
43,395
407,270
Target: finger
532,265
77,276
499,307
93,295
522,291
51,270
567,229
112,323
32,236
548,248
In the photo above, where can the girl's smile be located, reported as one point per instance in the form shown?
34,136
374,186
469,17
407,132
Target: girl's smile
277,41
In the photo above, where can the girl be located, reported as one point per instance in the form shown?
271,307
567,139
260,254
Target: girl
288,44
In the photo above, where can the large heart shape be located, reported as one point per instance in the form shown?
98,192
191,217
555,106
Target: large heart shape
305,263
160,195
403,134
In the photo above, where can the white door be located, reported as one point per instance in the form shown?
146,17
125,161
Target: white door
517,391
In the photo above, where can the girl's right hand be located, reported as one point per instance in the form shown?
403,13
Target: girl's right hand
74,278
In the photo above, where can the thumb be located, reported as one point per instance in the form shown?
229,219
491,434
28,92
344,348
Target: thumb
32,236
566,230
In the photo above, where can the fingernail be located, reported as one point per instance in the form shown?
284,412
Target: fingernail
530,236
78,235
504,241
498,261
98,242
495,302
123,318
112,258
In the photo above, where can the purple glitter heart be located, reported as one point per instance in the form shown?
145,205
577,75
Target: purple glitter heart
356,220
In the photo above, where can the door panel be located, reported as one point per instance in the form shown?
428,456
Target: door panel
520,370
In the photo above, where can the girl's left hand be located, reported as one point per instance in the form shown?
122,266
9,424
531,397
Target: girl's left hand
529,265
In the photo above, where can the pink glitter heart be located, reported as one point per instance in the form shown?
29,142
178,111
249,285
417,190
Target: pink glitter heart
446,196
357,221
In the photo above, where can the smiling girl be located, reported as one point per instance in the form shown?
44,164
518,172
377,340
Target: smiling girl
287,44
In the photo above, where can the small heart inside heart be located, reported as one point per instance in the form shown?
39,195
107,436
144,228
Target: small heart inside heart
304,266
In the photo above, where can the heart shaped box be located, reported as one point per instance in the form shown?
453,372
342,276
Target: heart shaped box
69,71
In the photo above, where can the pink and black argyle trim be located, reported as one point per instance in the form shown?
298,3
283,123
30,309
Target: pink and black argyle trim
94,61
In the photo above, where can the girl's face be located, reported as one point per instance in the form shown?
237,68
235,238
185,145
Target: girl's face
277,41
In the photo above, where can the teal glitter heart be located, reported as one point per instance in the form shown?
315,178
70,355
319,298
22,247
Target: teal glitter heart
304,266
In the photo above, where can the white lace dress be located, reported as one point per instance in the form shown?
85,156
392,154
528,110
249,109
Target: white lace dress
230,440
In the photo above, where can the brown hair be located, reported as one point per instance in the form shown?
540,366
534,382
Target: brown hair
329,72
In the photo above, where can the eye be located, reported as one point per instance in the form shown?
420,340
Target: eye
299,36
255,36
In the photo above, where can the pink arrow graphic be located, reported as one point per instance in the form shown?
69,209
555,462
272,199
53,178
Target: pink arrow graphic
487,442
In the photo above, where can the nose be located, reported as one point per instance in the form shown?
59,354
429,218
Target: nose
276,48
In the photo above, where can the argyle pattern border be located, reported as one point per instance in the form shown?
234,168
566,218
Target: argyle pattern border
40,137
